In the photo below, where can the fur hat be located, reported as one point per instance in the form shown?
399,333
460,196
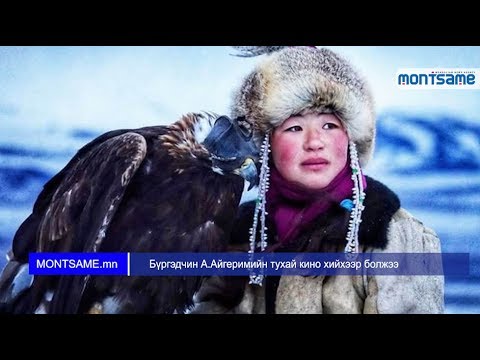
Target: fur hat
292,80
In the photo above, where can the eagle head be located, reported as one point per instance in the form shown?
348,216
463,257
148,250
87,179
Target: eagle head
232,149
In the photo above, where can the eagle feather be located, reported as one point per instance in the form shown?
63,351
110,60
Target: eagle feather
129,191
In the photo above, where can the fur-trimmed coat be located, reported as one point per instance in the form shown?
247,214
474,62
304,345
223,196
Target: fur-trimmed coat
385,227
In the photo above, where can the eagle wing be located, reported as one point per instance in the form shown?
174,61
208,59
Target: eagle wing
115,195
76,207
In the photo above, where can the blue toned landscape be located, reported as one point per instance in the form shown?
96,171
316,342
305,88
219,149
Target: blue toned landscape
53,100
433,163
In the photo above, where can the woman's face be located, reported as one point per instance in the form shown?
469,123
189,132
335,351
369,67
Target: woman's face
310,150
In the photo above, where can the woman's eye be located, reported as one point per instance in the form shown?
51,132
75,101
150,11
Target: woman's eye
294,128
330,126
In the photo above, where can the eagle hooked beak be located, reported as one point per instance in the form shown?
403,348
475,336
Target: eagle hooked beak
248,170
233,150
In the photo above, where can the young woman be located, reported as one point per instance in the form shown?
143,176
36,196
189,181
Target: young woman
315,116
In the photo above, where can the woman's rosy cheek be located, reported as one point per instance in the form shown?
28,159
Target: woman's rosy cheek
341,145
286,151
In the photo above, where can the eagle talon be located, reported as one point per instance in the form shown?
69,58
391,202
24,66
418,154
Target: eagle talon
97,308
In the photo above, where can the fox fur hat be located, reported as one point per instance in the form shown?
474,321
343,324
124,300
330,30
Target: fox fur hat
293,80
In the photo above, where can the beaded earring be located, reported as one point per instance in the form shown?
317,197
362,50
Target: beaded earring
358,199
260,204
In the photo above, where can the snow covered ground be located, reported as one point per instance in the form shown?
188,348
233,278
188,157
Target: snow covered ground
53,100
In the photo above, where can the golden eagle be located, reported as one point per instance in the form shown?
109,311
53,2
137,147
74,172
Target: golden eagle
169,188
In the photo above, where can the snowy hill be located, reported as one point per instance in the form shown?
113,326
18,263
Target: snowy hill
413,145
